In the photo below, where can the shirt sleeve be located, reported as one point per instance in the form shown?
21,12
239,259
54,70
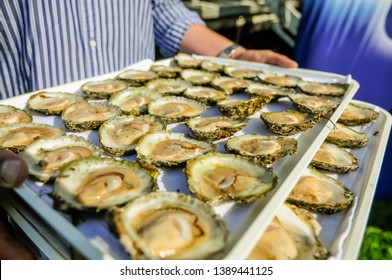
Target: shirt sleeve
171,20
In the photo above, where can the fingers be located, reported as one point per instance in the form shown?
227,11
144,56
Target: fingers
281,60
13,169
267,56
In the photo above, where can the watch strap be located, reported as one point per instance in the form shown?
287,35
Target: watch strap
229,51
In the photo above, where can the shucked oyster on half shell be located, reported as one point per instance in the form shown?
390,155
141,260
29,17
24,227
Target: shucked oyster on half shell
214,128
187,61
343,136
15,137
168,86
279,80
133,101
45,157
205,95
169,225
102,183
289,122
83,116
211,66
314,104
321,193
10,115
242,108
357,115
137,77
333,158
216,178
52,103
326,89
104,88
197,77
239,72
293,234
164,71
229,85
263,148
165,148
175,108
257,89
119,135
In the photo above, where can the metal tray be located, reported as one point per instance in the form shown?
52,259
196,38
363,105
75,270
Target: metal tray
342,232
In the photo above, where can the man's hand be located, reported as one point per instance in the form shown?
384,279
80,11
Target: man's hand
13,169
265,56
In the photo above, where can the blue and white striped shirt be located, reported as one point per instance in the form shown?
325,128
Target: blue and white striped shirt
45,43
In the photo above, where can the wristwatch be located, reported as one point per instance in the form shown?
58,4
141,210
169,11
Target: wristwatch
229,51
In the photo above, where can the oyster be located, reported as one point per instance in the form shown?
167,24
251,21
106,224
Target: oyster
83,116
197,77
216,178
136,77
214,128
279,80
344,136
168,86
164,148
175,108
10,115
45,157
52,103
293,234
205,95
119,134
104,88
333,158
326,89
211,66
263,148
239,72
187,61
229,85
289,122
101,183
259,89
15,137
168,225
321,193
164,71
243,108
357,115
314,104
133,101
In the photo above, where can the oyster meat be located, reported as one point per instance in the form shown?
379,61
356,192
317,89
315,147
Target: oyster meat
242,108
214,128
101,183
136,77
239,72
175,108
326,89
211,66
321,193
293,234
229,85
187,61
279,80
119,135
168,86
164,71
45,157
169,225
84,115
205,95
314,104
289,122
15,137
52,103
197,77
10,115
104,88
263,148
257,89
333,158
165,148
217,178
357,115
343,136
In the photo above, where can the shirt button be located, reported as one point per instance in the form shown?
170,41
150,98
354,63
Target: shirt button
92,43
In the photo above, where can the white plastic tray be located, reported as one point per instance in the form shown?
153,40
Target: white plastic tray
342,232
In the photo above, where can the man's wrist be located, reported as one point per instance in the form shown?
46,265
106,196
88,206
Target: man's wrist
231,51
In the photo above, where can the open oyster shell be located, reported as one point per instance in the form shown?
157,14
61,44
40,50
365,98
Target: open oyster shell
164,71
175,108
229,85
205,95
187,61
333,158
357,115
84,116
214,128
133,101
239,72
242,108
119,135
292,235
168,225
343,136
211,66
326,89
289,122
314,104
45,157
263,148
136,77
15,137
216,178
259,89
52,103
279,80
102,183
165,148
104,88
168,86
321,193
10,115
197,77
